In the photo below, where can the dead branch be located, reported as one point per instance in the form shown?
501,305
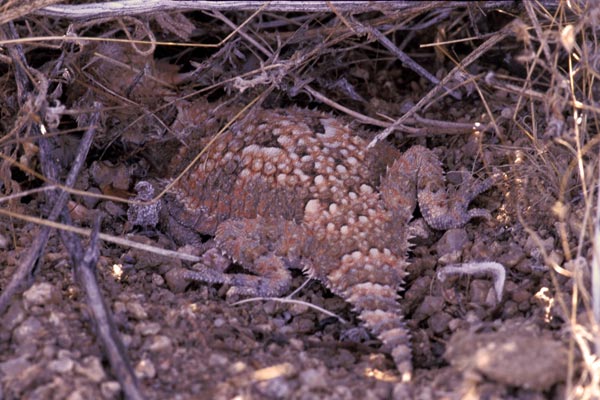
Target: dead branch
85,272
137,7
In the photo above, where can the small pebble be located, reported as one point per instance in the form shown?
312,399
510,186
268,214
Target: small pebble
28,331
428,307
91,368
110,390
39,294
145,369
512,255
160,342
3,242
14,316
61,365
453,240
147,328
314,378
277,388
439,322
13,367
520,295
479,290
238,367
91,201
136,310
175,279
157,280
217,360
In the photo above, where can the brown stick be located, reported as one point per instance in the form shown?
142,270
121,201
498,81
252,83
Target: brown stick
85,273
135,7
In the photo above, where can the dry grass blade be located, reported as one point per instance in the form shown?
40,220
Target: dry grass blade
102,236
290,301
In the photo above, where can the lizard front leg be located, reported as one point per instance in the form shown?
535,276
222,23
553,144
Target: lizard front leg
262,246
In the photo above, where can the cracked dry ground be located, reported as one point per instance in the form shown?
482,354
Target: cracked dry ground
189,342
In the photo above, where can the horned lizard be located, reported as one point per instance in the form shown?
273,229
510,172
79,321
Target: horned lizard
295,187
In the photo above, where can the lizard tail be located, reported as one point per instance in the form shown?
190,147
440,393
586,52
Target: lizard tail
378,309
370,283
